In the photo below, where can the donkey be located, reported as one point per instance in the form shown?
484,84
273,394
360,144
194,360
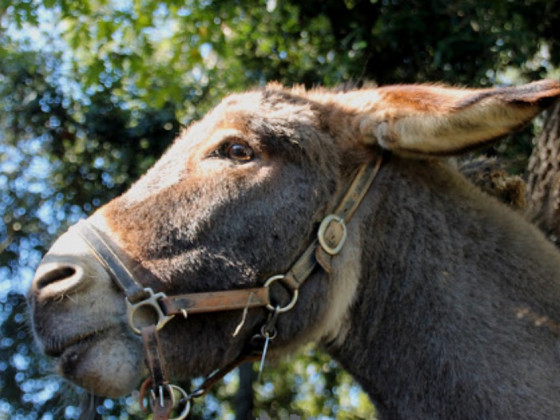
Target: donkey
332,217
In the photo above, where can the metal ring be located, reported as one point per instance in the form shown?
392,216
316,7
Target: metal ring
267,335
187,399
152,302
290,305
170,388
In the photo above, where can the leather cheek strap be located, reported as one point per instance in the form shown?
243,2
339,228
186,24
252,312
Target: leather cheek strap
162,404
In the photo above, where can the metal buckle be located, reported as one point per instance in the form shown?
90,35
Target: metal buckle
150,301
332,250
290,305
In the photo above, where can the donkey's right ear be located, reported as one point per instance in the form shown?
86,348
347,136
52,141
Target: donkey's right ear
439,120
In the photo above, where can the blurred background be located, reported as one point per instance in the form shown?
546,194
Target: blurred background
93,91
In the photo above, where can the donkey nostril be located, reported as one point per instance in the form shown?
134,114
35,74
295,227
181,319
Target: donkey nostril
57,279
54,275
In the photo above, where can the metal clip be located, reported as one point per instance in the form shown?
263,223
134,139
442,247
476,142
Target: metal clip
268,332
152,302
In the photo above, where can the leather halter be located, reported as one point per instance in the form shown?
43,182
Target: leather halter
124,271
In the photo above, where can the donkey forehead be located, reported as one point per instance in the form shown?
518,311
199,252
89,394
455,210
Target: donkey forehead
263,111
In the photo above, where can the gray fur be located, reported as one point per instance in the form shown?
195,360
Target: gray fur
439,330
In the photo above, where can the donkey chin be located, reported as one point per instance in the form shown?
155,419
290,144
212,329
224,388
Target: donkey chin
107,368
79,320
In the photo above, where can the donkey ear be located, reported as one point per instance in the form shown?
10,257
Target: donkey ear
437,120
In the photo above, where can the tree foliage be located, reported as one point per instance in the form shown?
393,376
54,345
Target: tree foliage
92,92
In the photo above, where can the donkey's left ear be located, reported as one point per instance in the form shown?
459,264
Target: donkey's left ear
437,120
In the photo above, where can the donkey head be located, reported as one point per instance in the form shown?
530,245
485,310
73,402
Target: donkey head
235,200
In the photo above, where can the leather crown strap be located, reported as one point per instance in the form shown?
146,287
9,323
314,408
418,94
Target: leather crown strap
124,271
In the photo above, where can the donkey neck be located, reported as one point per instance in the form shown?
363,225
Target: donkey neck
444,320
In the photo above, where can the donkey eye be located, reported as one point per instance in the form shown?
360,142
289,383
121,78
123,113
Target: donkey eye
239,152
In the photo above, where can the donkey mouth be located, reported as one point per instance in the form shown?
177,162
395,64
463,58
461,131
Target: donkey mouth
58,347
70,357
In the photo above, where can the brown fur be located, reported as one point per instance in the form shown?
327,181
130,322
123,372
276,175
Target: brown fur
434,303
490,176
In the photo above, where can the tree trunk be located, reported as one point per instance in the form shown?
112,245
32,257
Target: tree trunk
543,184
245,394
